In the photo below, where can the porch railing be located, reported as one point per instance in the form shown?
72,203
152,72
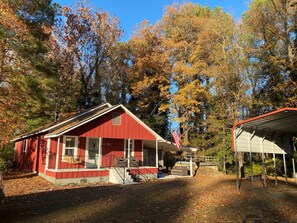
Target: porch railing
137,172
107,161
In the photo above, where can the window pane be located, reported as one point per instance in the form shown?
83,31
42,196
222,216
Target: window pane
70,141
116,118
69,152
92,154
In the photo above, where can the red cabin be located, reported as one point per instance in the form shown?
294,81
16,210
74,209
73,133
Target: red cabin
103,144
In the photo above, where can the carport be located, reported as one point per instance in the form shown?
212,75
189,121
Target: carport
270,133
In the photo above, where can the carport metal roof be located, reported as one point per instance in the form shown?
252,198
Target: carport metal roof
269,133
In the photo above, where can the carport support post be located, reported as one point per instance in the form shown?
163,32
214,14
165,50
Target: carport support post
294,172
274,162
236,161
285,167
251,161
263,161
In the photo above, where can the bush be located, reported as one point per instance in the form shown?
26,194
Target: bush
257,169
270,166
6,157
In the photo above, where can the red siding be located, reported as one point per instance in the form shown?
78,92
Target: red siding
42,154
52,153
102,127
138,151
111,148
78,174
27,160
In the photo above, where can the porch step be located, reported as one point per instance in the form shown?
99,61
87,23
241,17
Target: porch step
179,170
134,177
120,176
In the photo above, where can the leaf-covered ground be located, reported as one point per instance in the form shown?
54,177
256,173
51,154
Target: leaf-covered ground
207,197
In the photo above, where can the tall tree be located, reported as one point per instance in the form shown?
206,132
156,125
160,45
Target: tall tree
64,86
183,26
89,35
269,38
25,28
150,77
117,83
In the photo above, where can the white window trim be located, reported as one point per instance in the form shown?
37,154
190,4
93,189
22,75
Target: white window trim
25,145
75,146
131,149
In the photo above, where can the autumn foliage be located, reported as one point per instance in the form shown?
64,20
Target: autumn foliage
197,67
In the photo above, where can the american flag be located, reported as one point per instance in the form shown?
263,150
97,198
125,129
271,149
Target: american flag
176,137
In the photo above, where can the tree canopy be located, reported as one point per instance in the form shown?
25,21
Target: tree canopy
197,67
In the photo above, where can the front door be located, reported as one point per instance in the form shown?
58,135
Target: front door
92,153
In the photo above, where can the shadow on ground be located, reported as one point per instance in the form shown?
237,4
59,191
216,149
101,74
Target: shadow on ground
143,202
258,204
204,198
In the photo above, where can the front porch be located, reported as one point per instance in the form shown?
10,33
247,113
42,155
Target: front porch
100,160
114,170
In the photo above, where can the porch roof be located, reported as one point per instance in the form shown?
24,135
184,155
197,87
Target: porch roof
168,146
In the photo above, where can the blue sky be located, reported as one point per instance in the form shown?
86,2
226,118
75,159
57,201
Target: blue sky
132,12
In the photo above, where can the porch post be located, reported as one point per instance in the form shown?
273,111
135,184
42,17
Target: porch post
128,153
157,155
57,154
47,154
285,166
162,157
99,154
191,166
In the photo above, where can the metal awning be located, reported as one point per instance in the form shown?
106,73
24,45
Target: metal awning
268,133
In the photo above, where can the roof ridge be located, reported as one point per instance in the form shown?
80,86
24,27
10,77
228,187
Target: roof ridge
65,121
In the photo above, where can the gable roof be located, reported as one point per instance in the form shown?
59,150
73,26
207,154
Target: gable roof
65,122
62,127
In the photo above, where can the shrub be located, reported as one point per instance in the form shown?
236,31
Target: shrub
257,169
6,157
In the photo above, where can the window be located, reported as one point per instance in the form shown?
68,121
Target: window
70,146
116,118
24,148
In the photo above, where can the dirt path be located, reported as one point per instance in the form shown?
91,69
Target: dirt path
204,198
